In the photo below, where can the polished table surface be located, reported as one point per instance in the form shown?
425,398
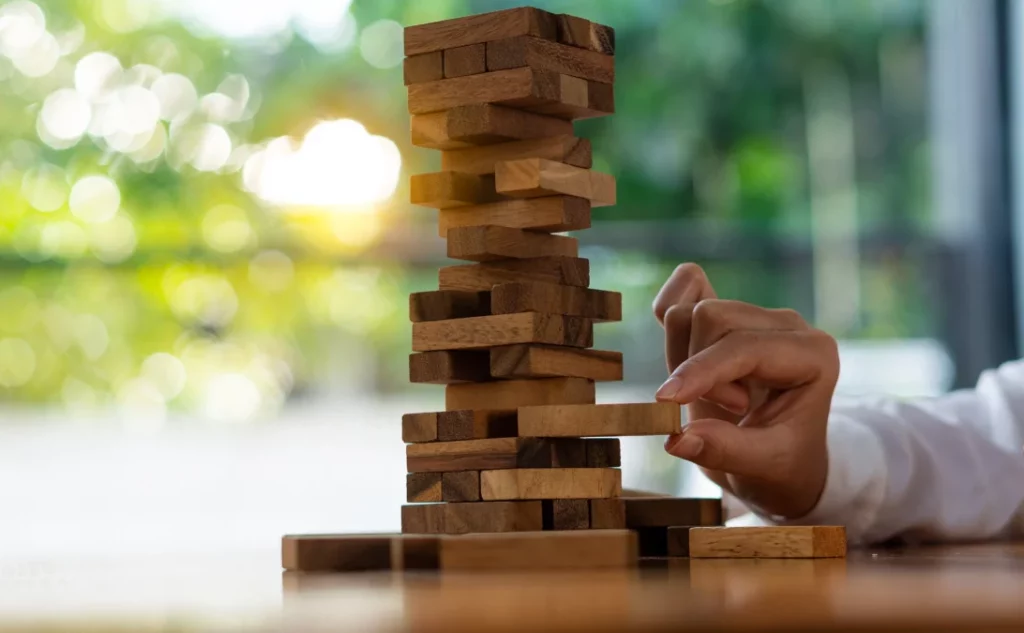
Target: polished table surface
947,588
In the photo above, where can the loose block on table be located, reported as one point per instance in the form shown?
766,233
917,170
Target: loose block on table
423,487
565,271
509,394
474,29
544,550
441,305
497,453
488,243
501,329
538,177
541,361
425,67
591,420
461,486
463,518
336,552
451,189
671,511
564,148
598,305
539,54
554,214
449,367
813,541
484,124
583,33
465,60
550,483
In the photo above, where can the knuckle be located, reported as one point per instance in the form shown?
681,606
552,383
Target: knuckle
828,348
708,312
790,317
690,271
676,317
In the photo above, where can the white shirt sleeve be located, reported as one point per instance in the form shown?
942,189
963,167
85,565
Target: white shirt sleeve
942,469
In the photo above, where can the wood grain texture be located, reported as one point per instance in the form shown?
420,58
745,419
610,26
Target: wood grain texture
599,305
423,487
539,361
550,483
564,271
539,54
449,367
476,424
489,243
604,453
547,551
496,454
499,516
502,329
424,518
474,29
575,31
509,394
484,124
450,189
812,541
557,213
461,486
336,552
578,99
670,511
607,514
419,427
420,68
564,148
441,305
465,60
654,418
566,514
538,177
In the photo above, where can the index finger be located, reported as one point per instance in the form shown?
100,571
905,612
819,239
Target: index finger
687,285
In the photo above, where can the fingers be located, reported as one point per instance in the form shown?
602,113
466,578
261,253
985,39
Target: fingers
712,319
720,446
687,285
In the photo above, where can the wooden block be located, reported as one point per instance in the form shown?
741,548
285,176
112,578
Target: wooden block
543,550
502,329
810,541
488,243
607,514
424,518
677,541
474,29
651,418
669,511
550,483
441,305
566,514
415,552
600,98
450,189
555,214
604,453
652,541
578,99
517,52
447,367
484,124
582,33
461,486
500,516
481,160
423,487
465,60
565,271
476,424
426,67
336,552
599,305
539,361
537,177
495,454
509,394
419,427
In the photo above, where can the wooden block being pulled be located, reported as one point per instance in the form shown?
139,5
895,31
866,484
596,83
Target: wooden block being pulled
598,420
501,329
539,54
496,454
423,487
540,361
670,511
599,305
555,214
550,483
499,516
482,160
565,271
448,426
607,514
509,394
488,243
450,189
474,29
441,305
336,552
465,60
538,177
566,514
582,33
426,67
812,541
484,124
449,367
461,486
543,550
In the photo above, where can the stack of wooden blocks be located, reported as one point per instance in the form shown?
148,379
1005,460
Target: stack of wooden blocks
521,465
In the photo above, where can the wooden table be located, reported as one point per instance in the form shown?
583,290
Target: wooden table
949,588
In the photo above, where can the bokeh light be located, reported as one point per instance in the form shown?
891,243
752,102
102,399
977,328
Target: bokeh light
95,199
381,44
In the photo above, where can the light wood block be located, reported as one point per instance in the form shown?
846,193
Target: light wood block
461,486
500,516
426,67
582,33
424,518
607,514
555,214
565,271
450,189
604,453
449,367
484,124
538,361
579,99
671,511
502,329
449,426
496,454
482,160
509,394
423,487
474,29
566,514
550,483
537,177
419,427
336,552
813,541
599,305
517,52
465,60
441,305
544,550
579,420
489,243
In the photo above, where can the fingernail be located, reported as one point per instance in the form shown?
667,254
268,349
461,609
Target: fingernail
668,390
688,447
671,440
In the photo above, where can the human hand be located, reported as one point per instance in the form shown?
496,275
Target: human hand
758,386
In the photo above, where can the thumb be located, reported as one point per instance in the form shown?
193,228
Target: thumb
720,445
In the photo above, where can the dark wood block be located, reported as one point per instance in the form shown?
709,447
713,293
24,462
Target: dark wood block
542,361
607,514
553,214
604,453
582,33
493,516
504,329
449,367
425,67
668,512
461,486
441,305
566,271
483,124
677,540
423,518
599,305
423,487
494,454
476,424
489,243
508,394
419,427
517,52
566,514
415,552
336,552
465,60
653,541
474,29
450,189
564,148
